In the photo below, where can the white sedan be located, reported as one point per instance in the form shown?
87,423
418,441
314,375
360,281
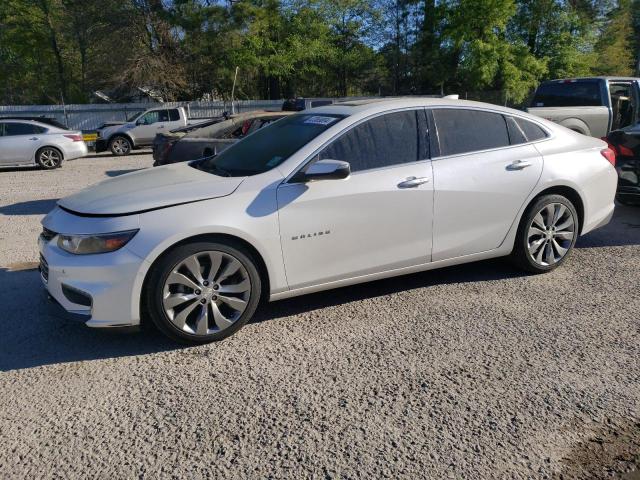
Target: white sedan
329,197
28,142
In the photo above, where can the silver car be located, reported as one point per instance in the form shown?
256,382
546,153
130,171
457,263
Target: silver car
325,198
27,142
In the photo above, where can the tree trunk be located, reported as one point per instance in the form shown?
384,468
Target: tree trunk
55,46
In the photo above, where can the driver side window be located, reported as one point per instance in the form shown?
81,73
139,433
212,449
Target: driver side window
385,140
149,118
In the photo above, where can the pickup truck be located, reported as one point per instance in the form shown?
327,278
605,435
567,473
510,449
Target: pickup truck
592,106
140,130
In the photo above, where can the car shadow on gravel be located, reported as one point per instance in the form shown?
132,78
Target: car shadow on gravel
117,173
487,270
624,229
110,155
31,207
35,331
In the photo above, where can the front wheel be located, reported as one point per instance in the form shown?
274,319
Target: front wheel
120,146
203,292
547,233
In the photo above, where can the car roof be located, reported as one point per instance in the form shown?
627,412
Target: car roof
582,79
375,105
28,121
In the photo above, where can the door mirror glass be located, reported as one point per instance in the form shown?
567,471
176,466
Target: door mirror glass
323,170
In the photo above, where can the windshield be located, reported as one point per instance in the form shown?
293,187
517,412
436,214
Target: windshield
133,117
270,146
570,93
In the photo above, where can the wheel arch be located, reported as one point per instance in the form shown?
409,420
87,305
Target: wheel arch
121,134
211,237
568,192
42,147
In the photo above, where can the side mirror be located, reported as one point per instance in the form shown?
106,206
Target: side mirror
323,170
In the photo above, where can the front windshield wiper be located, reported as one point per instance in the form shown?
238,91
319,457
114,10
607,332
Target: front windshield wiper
215,169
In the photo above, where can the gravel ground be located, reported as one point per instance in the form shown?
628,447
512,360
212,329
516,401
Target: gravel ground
475,371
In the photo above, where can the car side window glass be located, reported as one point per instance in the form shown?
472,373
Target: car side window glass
2,129
516,135
386,140
20,129
150,117
163,115
462,131
174,115
532,131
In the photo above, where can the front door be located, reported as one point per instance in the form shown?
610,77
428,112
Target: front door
19,142
481,179
376,220
149,125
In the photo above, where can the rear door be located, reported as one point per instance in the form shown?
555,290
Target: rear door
19,142
481,179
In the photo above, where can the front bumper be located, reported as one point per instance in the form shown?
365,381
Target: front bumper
97,287
101,145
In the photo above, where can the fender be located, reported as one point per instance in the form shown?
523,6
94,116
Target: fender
577,125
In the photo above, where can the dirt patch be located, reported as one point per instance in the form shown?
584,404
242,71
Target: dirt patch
612,451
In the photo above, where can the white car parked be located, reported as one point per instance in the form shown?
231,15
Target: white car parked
27,142
325,198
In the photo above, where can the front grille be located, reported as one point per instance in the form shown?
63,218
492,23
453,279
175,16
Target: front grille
44,269
47,234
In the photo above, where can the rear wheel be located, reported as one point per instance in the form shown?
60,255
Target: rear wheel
547,233
49,158
120,145
203,292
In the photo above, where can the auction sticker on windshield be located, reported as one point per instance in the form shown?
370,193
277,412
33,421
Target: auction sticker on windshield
318,120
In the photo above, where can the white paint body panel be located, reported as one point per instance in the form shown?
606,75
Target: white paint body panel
18,150
463,213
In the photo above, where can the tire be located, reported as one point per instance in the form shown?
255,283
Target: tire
546,235
120,145
196,310
49,158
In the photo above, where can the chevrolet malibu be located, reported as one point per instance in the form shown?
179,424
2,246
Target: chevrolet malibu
325,198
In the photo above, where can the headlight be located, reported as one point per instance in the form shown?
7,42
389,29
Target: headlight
101,243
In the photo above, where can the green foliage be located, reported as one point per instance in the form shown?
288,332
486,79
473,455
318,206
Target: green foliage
52,50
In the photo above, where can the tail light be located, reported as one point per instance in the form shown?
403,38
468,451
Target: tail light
610,155
625,151
75,137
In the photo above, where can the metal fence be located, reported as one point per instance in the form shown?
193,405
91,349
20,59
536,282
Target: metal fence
91,116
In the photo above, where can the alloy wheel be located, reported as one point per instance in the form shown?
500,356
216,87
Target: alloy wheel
206,292
551,234
120,146
50,158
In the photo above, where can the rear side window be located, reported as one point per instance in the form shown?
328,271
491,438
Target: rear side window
516,135
568,94
386,140
11,129
174,115
462,131
532,131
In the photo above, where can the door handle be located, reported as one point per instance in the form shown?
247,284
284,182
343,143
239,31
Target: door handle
413,182
161,126
33,138
519,165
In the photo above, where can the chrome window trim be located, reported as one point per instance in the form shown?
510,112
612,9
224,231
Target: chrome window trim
486,150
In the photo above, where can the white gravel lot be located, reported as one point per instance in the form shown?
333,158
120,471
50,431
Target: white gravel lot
475,371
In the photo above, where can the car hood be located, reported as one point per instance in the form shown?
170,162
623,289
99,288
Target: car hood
149,189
